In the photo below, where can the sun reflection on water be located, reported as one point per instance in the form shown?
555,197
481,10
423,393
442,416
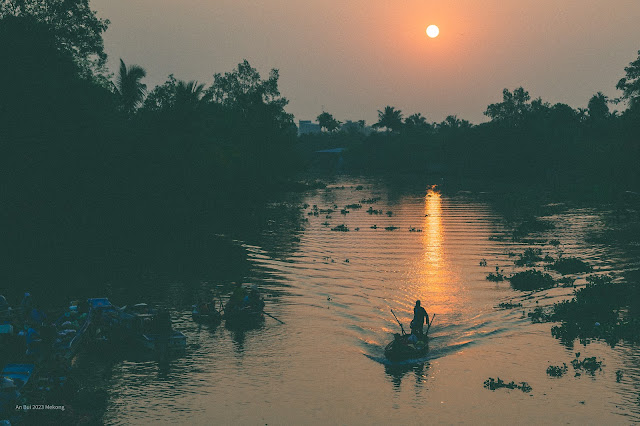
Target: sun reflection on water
434,271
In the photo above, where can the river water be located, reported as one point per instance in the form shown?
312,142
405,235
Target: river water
334,292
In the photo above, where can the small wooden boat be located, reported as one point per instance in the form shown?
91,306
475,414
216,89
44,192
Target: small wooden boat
207,316
240,315
404,347
152,329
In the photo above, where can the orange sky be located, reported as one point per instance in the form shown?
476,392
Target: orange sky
354,56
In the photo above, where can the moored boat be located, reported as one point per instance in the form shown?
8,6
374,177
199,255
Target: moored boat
13,379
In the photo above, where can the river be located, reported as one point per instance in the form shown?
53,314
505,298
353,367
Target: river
334,291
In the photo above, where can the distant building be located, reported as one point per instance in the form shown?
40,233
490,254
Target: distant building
307,127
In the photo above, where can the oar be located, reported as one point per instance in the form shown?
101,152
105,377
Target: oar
269,315
401,327
429,326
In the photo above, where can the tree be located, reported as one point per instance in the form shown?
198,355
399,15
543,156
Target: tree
630,84
598,108
512,110
188,95
417,122
77,30
327,122
452,122
390,118
243,90
129,87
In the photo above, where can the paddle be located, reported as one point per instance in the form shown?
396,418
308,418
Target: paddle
269,315
401,327
429,326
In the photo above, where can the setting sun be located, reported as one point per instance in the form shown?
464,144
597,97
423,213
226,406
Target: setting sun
433,31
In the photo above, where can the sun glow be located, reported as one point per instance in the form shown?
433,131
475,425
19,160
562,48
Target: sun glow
433,31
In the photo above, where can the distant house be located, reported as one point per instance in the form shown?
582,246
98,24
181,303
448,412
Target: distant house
307,127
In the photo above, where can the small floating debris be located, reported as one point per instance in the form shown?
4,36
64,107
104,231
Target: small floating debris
356,229
589,365
492,384
370,200
509,305
341,228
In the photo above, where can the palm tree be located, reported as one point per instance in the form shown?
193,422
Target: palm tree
390,118
188,94
129,87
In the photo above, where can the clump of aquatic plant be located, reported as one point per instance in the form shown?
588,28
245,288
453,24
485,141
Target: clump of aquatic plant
370,200
483,262
344,211
601,310
588,365
373,211
557,371
531,279
548,259
529,257
391,228
359,188
353,206
554,243
412,229
389,213
374,226
492,384
540,315
618,376
509,305
566,282
570,265
326,223
341,228
497,277
496,238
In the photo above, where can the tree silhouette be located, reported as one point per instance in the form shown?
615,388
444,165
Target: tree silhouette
328,122
598,108
513,108
77,30
390,118
129,87
188,95
630,84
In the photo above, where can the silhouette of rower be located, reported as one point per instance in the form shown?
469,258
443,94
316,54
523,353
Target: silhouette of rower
420,316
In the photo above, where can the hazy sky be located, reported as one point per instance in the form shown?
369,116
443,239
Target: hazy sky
353,57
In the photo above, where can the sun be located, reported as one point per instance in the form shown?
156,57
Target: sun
433,31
